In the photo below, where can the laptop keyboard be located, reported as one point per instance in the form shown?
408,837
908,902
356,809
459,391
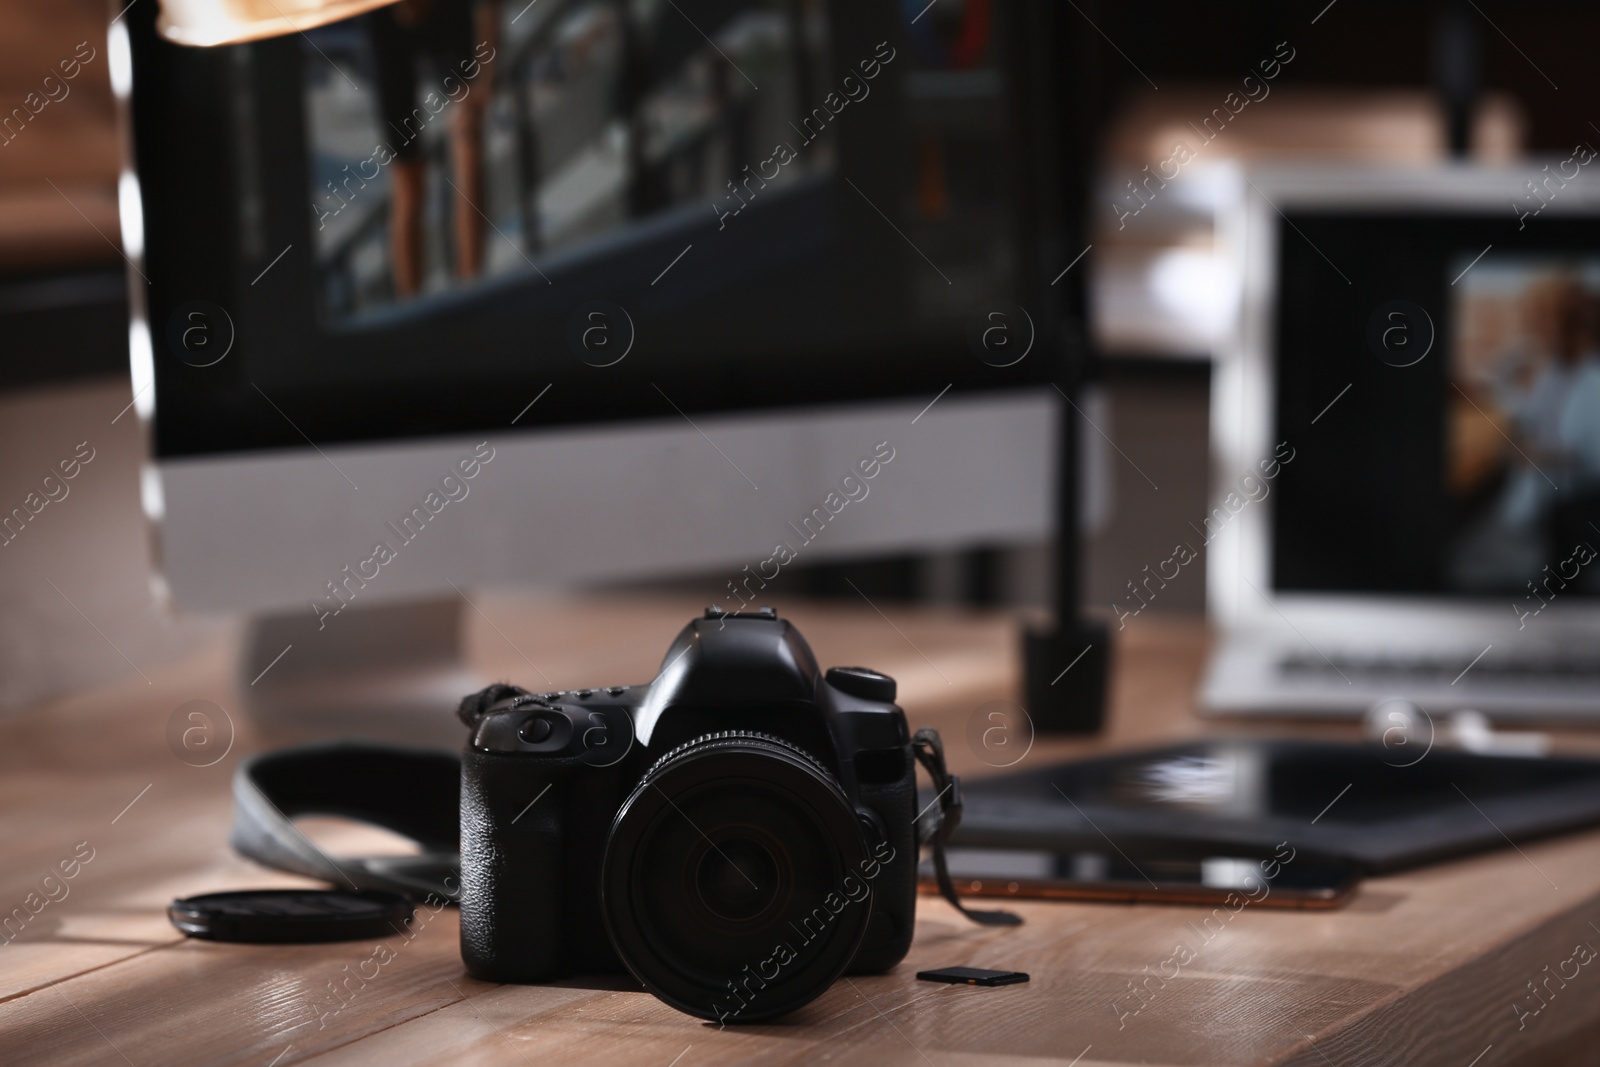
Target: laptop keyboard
1554,665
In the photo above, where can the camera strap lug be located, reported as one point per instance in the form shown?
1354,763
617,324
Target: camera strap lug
938,822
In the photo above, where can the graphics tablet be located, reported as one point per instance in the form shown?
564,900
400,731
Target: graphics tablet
1368,805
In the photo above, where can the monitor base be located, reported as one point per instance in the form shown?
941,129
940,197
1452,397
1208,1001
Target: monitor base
388,673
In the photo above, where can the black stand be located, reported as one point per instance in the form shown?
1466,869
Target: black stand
1064,676
1065,668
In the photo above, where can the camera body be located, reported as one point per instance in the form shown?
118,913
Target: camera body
738,833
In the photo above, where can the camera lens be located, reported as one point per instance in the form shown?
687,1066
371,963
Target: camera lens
738,879
733,885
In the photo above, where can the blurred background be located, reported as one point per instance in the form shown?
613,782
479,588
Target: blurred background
1407,85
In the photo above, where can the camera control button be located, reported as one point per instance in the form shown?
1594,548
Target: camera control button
616,690
535,729
862,682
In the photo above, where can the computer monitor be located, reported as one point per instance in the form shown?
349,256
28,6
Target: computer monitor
460,293
1407,429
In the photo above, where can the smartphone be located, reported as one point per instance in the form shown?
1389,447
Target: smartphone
1051,875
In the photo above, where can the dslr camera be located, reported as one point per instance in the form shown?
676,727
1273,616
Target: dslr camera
737,834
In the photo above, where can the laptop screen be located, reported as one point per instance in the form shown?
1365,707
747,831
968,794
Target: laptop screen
1438,380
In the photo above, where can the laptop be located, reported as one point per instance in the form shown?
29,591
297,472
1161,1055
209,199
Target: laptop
1406,443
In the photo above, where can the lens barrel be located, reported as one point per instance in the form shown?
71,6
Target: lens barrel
732,885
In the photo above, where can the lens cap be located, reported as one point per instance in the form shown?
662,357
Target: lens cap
291,916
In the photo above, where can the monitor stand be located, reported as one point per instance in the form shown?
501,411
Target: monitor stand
389,673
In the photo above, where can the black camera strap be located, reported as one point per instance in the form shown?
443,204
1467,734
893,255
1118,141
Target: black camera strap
415,792
939,821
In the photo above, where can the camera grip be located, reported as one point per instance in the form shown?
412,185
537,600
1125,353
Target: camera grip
512,877
894,891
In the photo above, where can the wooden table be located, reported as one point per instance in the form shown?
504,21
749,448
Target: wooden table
1425,967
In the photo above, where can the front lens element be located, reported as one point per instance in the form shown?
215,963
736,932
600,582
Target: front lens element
737,880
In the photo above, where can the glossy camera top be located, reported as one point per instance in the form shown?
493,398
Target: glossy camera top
753,665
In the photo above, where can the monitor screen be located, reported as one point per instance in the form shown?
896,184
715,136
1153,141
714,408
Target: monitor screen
1438,384
412,222
1523,435
452,143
